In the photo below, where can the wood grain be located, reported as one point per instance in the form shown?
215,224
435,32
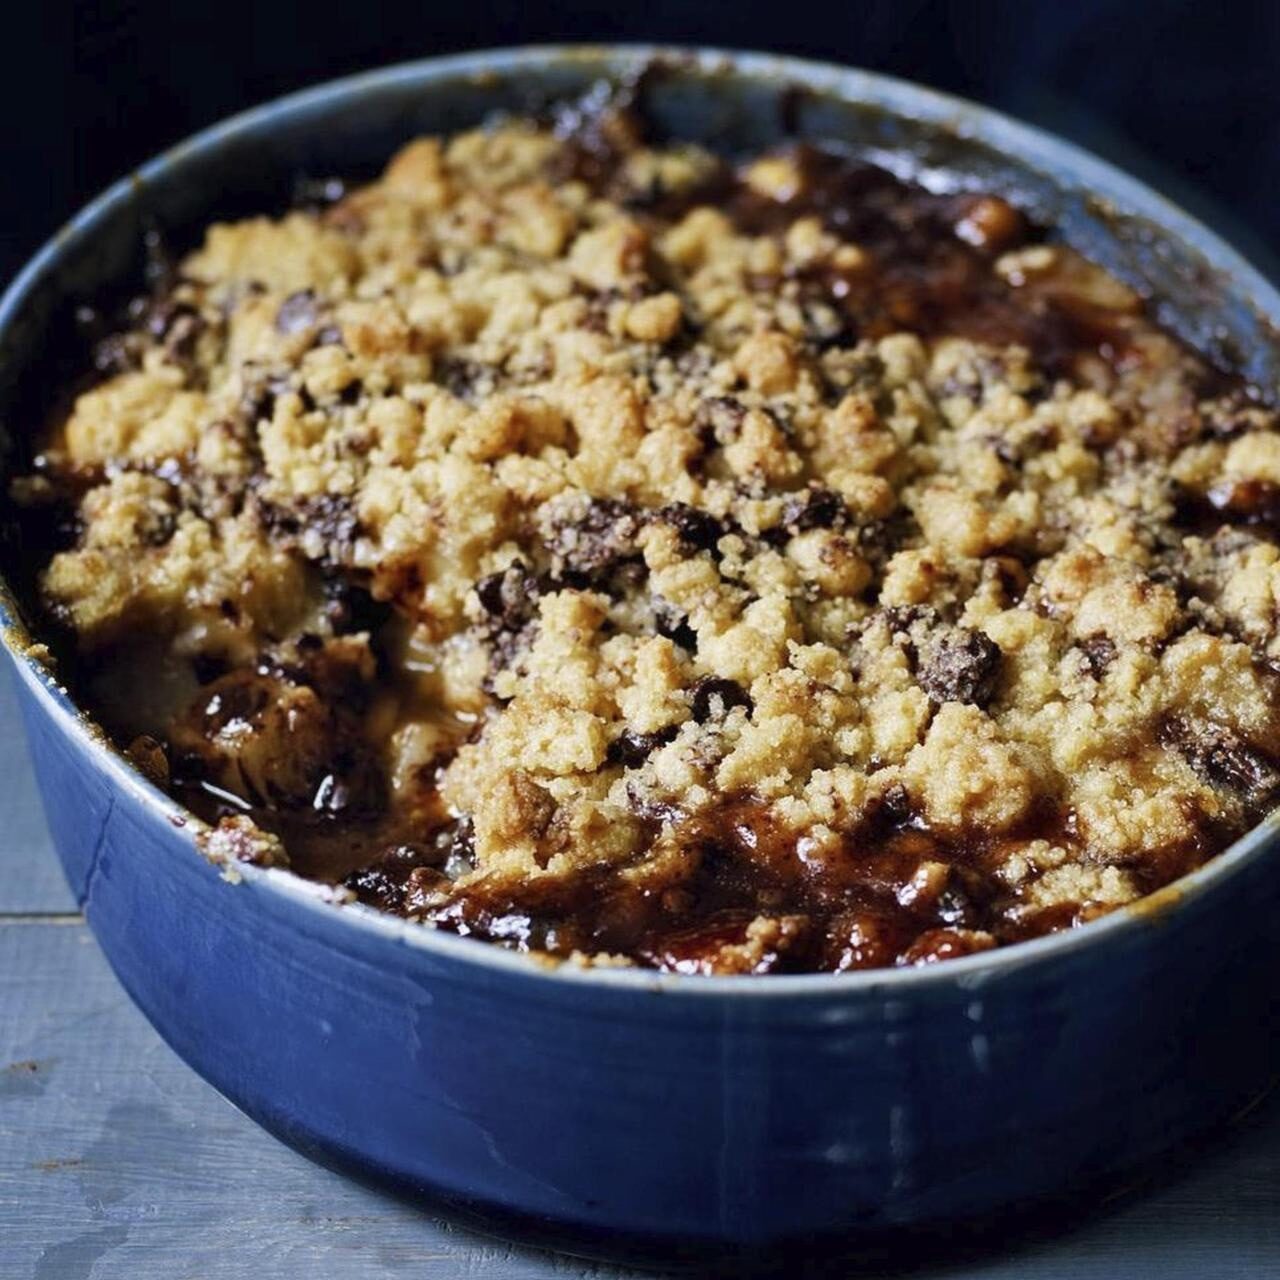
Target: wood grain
117,1161
30,880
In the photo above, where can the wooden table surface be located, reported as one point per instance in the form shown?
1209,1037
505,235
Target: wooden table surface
117,1161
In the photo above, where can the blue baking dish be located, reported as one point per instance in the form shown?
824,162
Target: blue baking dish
627,1109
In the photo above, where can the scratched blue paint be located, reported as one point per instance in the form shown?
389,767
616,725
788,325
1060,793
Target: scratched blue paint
121,1162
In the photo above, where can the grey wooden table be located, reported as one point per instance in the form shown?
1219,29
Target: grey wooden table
117,1161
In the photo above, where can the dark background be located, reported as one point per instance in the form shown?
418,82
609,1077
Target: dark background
1185,93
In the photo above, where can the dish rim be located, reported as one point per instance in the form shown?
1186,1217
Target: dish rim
897,97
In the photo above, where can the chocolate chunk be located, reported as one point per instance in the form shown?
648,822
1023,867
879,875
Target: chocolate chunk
176,325
901,619
509,597
1099,652
382,884
962,665
631,749
909,627
671,622
1223,759
712,696
814,508
697,529
330,515
411,878
350,607
587,548
1009,576
297,312
893,809
506,648
466,379
720,418
208,667
648,808
879,540
596,319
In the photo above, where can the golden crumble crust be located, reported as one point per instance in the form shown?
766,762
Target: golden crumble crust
733,570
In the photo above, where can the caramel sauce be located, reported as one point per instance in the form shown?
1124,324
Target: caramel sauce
890,892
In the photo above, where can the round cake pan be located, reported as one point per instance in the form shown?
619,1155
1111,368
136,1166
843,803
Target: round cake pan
625,1110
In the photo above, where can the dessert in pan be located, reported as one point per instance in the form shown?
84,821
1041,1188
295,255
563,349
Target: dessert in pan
634,555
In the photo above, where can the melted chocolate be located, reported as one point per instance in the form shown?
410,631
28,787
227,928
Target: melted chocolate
890,892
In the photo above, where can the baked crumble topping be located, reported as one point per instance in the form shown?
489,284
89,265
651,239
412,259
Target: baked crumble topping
614,552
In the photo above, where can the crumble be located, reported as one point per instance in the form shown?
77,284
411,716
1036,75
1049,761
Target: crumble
613,552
